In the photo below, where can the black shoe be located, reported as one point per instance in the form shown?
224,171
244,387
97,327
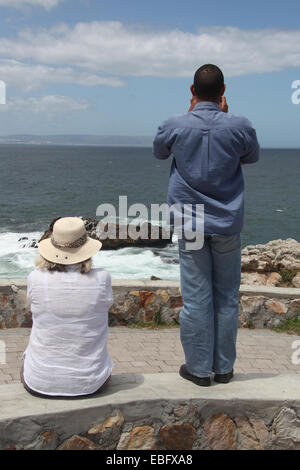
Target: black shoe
223,378
202,381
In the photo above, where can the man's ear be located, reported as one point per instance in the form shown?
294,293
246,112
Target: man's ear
223,90
192,88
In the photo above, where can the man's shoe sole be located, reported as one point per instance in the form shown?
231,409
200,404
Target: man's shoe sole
223,378
202,381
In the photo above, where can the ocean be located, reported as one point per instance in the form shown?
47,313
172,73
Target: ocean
39,183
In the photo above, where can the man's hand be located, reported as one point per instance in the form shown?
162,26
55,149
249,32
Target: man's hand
194,101
223,105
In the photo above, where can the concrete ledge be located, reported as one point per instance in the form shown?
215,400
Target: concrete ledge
157,408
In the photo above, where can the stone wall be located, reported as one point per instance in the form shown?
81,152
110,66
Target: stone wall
181,427
160,302
158,412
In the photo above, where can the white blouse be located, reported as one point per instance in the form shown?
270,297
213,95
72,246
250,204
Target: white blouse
67,351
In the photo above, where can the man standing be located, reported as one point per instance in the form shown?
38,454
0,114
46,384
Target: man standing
208,146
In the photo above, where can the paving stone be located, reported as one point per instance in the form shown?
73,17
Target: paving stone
150,351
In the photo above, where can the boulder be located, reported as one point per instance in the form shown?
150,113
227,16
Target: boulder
120,236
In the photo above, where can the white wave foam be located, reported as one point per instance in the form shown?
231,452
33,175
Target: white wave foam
131,263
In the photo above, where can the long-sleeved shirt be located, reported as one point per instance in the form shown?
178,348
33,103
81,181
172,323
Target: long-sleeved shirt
208,147
67,351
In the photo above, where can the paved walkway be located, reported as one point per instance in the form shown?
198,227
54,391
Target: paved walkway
150,351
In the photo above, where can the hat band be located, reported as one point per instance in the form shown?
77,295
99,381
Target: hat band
76,244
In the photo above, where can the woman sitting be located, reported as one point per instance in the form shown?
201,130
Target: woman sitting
67,352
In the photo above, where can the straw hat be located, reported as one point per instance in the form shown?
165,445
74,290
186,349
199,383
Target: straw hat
69,243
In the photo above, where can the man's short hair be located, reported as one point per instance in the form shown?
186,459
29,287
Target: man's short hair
208,82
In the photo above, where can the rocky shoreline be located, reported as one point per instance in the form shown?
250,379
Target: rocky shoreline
94,230
277,263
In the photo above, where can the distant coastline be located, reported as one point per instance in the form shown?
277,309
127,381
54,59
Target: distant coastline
90,140
84,139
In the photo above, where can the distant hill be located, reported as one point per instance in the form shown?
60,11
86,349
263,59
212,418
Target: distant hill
105,140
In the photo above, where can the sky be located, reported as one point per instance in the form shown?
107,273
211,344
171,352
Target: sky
121,67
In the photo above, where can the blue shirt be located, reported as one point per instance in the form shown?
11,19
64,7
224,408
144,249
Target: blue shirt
208,146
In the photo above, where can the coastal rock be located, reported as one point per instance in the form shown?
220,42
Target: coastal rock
296,280
275,256
274,280
119,236
253,278
25,242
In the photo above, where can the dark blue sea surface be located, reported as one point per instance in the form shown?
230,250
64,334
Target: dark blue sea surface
40,183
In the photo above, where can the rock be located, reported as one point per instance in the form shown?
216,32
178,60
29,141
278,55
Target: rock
261,279
164,295
108,432
146,297
28,243
261,431
275,306
220,431
177,436
135,293
78,443
95,230
111,421
253,433
176,302
252,304
286,430
274,279
139,438
154,278
187,414
49,440
295,305
296,280
253,278
273,256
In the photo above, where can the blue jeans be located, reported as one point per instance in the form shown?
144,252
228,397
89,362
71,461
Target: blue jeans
210,281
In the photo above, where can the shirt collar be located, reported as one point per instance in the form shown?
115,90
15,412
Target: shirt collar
206,105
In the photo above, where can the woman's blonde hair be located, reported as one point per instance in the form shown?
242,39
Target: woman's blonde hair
84,267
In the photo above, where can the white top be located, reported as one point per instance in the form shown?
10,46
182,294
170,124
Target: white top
67,351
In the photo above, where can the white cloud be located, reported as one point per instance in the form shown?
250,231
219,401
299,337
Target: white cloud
49,104
28,77
47,4
115,49
106,53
